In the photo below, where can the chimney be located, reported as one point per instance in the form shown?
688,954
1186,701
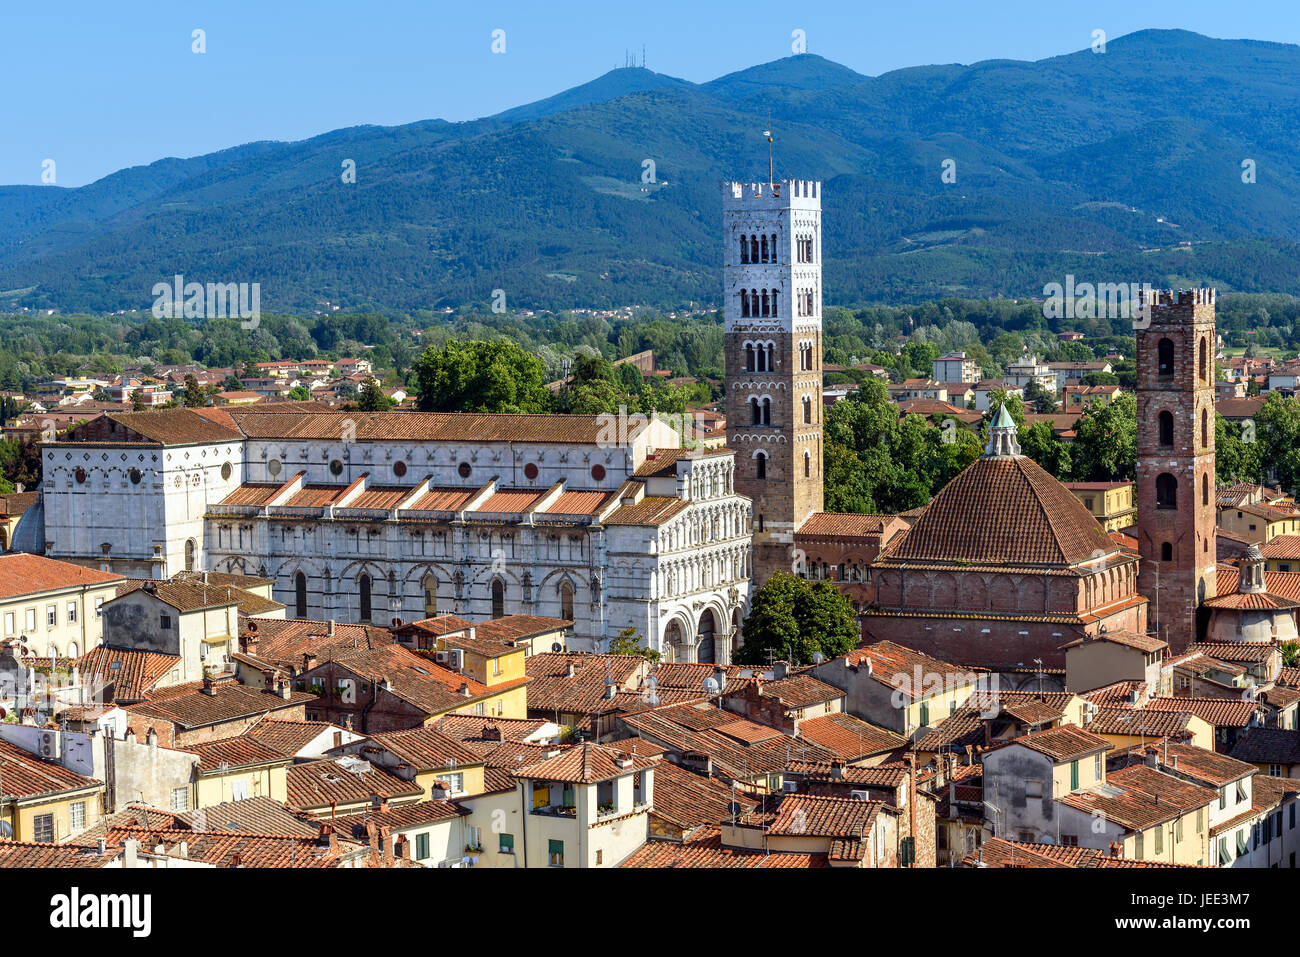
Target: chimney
208,689
331,631
378,803
492,733
236,860
611,690
464,689
837,770
1116,849
282,687
399,847
308,661
571,671
779,670
250,643
327,839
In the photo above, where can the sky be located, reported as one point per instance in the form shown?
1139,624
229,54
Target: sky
98,87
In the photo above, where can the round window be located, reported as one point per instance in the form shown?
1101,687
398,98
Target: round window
226,470
399,468
598,472
79,474
530,470
464,469
135,475
273,467
336,467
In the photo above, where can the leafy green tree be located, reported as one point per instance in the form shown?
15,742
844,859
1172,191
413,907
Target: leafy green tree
300,393
193,396
791,619
1040,443
1039,399
1290,654
1235,459
1100,378
1277,431
137,401
628,642
478,376
371,398
1105,444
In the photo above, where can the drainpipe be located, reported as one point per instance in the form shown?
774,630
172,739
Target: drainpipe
523,809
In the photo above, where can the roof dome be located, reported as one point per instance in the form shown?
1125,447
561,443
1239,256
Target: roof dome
1003,510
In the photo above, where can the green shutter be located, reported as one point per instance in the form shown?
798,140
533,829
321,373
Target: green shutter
907,851
925,714
507,844
1074,775
422,847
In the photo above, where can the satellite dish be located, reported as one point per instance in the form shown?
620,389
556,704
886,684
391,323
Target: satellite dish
652,700
818,657
6,829
710,685
556,647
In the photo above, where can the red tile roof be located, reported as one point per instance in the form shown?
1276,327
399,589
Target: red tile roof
1003,511
849,737
132,673
704,848
317,784
585,764
24,776
23,574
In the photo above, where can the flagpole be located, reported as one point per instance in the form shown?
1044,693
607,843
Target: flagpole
771,181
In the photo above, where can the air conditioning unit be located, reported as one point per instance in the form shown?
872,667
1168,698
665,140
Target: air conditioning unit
455,659
48,745
860,795
441,657
790,787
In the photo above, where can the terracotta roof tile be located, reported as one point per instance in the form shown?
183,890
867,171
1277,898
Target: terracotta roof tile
704,848
849,737
195,709
317,784
23,574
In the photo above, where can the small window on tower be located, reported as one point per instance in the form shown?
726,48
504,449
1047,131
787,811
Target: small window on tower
1166,421
1165,357
1166,551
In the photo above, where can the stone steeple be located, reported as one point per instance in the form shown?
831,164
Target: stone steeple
1002,435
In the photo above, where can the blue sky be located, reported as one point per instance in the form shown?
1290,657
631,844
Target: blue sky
100,86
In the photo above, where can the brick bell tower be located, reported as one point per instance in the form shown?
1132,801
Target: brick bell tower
772,278
1175,458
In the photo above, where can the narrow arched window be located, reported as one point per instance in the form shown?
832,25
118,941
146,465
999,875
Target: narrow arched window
753,249
300,595
763,247
807,465
744,251
430,585
757,410
749,351
1165,357
1166,491
1166,420
760,465
363,587
1205,489
1166,552
566,600
1203,371
744,304
1205,429
807,411
498,598
189,555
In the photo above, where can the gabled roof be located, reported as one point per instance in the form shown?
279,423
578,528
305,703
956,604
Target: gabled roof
132,672
1267,746
586,764
318,784
688,800
424,748
849,737
24,776
704,848
193,709
289,737
1063,743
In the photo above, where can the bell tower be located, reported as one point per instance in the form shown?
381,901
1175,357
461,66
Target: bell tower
1175,458
773,325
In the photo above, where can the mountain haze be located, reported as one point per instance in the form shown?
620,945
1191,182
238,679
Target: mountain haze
1095,164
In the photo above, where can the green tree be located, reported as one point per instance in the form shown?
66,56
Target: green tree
300,393
1290,654
791,619
137,401
371,398
1105,444
193,396
1040,399
478,376
1277,431
1235,458
1040,443
628,642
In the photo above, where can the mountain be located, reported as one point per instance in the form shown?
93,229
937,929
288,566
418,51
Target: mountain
1125,166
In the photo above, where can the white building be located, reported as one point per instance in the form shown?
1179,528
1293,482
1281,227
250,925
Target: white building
955,367
375,516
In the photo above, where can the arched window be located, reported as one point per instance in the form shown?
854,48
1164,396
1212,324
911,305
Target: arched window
189,555
1203,365
764,299
566,600
767,411
757,410
807,411
753,249
807,465
300,595
1165,356
744,309
1205,429
363,587
1166,552
763,247
774,259
744,251
1166,420
1166,491
72,649
498,598
749,348
760,465
430,586
1205,489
